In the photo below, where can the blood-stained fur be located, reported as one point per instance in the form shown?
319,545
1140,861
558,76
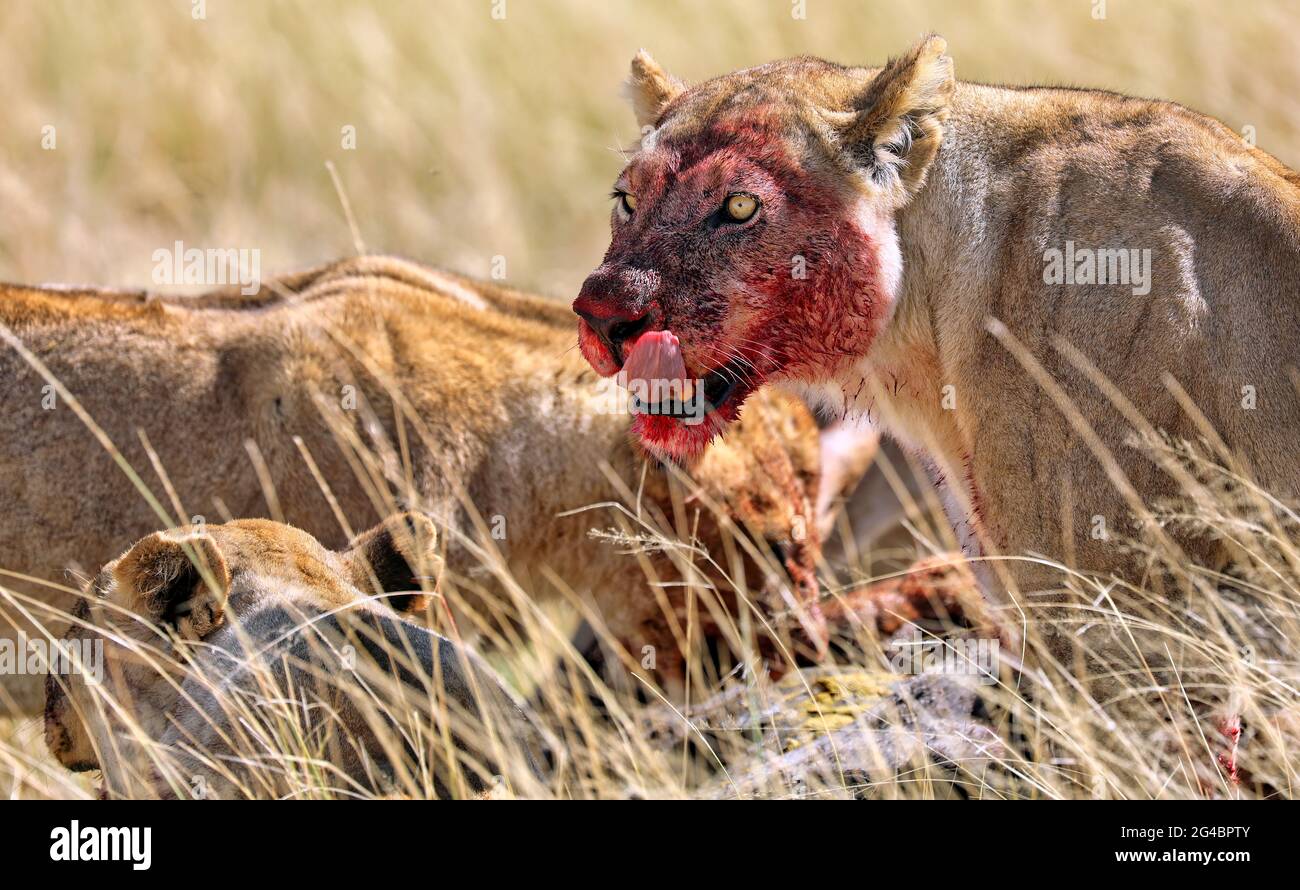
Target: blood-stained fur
900,266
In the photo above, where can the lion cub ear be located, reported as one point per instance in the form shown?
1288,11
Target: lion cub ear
650,88
896,126
176,579
392,558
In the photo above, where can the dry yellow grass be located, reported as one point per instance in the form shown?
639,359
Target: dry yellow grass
1226,647
479,137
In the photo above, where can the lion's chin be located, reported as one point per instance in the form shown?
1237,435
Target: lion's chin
682,440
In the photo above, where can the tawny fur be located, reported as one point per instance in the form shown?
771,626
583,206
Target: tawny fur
499,408
206,634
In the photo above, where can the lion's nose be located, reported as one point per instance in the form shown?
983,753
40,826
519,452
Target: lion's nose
618,305
616,329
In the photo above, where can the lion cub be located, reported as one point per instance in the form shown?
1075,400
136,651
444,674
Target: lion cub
219,643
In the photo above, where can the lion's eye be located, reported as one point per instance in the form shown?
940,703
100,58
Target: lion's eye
626,203
740,207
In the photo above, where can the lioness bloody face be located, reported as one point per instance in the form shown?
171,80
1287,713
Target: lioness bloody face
754,224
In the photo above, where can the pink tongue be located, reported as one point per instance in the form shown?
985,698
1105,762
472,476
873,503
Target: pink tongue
655,359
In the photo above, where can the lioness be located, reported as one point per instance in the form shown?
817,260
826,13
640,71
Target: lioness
1015,281
336,396
245,659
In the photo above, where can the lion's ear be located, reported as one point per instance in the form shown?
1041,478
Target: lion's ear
650,88
895,128
177,579
392,558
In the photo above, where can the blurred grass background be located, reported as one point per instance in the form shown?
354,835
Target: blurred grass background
479,136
